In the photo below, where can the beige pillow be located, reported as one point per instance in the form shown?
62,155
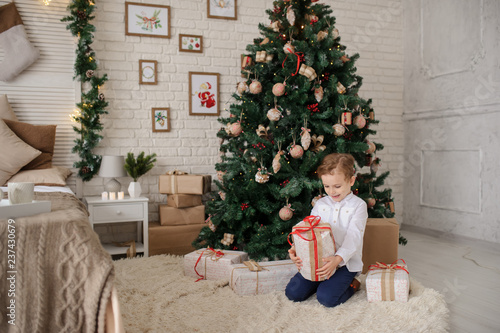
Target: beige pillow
5,109
55,176
14,153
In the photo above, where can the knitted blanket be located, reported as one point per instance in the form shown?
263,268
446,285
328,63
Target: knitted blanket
58,277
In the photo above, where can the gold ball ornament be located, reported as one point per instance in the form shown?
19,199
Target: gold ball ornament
255,87
241,88
360,121
279,89
297,151
338,130
286,213
273,114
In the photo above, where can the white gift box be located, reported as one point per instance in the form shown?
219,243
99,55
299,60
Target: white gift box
388,283
210,264
272,276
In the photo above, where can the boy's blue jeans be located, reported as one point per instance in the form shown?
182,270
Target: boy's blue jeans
332,292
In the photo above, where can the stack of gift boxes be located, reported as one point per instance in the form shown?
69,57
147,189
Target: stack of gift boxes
384,282
182,218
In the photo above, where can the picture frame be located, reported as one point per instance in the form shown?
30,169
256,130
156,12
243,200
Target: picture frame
147,20
190,43
204,94
222,9
160,119
148,72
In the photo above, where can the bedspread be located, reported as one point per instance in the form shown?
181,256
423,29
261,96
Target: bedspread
58,276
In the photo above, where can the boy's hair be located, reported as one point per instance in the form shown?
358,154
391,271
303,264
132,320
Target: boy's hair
343,163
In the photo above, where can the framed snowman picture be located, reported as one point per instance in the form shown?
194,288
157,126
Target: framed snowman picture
204,94
222,9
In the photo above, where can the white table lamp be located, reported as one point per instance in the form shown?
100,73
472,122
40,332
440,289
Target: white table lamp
112,167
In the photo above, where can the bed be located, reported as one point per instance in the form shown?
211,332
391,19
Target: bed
55,275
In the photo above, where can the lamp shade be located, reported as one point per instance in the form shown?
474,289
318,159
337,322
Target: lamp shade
112,166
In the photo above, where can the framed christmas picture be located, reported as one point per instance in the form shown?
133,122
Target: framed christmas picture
148,73
191,43
147,20
161,119
222,9
204,94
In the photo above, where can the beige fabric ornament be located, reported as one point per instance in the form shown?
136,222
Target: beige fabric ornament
344,59
335,33
305,138
212,226
273,114
269,57
236,128
228,239
255,87
275,26
322,35
375,165
308,72
241,88
247,61
262,176
290,15
262,131
289,48
338,130
370,202
261,56
220,175
371,115
360,121
340,88
319,93
346,118
286,213
317,143
228,128
296,151
371,147
276,161
265,41
279,89
222,195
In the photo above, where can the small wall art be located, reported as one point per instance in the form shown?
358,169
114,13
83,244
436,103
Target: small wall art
161,119
148,73
222,9
191,43
204,94
147,20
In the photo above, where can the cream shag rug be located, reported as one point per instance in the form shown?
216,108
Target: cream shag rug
155,296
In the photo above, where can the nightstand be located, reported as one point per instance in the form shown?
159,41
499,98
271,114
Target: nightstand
116,211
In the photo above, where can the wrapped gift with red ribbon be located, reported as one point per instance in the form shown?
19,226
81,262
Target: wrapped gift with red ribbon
211,264
388,282
313,241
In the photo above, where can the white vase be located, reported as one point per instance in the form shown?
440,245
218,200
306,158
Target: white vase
134,189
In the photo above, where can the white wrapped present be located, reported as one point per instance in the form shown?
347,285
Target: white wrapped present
388,282
252,278
313,241
210,264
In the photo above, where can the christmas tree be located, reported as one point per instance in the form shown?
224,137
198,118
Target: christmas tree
299,102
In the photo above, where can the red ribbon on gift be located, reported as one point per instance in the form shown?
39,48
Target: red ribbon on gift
213,253
300,58
393,266
313,224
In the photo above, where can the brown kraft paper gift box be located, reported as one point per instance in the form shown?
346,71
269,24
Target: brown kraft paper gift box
181,216
185,184
380,242
183,200
172,239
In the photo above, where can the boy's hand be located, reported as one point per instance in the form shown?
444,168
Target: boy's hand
294,258
329,267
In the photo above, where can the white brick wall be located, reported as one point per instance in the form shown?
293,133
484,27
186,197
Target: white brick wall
372,28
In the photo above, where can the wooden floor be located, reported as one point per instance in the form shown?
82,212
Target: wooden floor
465,271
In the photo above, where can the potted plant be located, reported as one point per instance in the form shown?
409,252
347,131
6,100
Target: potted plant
137,167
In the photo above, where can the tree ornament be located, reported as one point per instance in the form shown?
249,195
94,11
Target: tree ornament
241,88
305,138
313,108
318,93
279,89
296,151
346,118
371,115
262,176
220,175
89,73
228,239
286,213
275,26
236,128
371,147
340,88
308,72
269,57
81,15
290,15
212,226
315,199
273,114
370,202
101,97
375,165
255,87
344,59
262,131
247,61
322,35
335,33
264,41
360,121
338,130
222,195
260,56
317,143
390,205
228,128
289,48
85,169
276,161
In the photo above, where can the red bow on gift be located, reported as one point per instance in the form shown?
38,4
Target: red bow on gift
393,266
214,254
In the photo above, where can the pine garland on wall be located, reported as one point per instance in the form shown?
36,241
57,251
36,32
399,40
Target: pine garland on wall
93,103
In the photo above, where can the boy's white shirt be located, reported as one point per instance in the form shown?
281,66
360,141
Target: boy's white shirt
347,219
